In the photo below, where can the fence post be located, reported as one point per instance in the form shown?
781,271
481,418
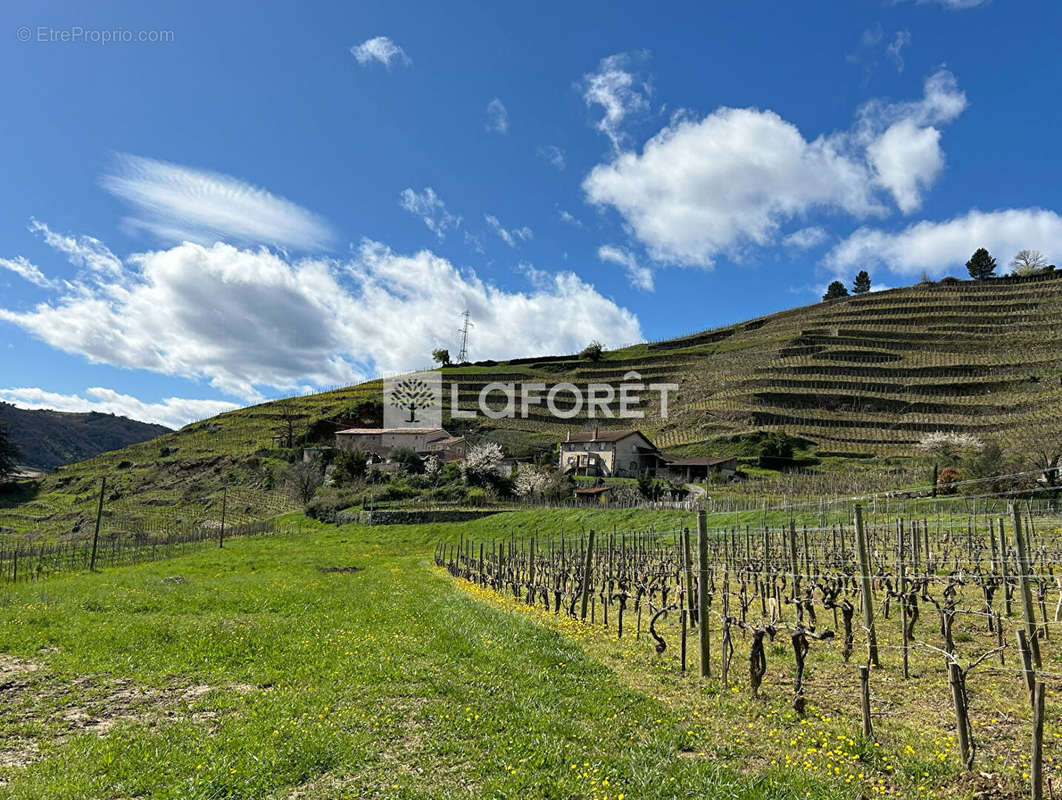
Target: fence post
868,600
224,503
587,567
688,564
702,592
99,517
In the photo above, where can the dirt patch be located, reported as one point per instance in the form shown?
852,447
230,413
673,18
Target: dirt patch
340,570
48,706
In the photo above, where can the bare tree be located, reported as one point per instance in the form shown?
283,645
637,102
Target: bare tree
1028,262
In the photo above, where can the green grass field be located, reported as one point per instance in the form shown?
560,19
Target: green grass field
254,672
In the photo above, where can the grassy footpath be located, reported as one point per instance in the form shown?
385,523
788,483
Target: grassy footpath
251,673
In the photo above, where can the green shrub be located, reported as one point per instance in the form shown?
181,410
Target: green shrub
329,501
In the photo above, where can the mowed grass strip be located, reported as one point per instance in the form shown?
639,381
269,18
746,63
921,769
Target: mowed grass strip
252,673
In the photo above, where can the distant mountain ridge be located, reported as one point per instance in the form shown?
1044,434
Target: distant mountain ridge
48,439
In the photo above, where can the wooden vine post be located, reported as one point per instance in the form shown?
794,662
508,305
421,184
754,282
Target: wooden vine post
588,565
702,592
864,701
688,568
1036,766
1024,567
865,583
962,719
99,518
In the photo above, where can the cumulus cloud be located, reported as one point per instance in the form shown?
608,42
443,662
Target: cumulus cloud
430,208
619,91
247,320
497,117
27,271
703,187
553,154
382,49
511,236
177,204
173,412
640,276
937,247
806,238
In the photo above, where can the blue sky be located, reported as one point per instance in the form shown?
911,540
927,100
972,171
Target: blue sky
301,196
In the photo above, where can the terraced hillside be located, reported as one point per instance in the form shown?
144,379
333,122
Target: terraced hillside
861,376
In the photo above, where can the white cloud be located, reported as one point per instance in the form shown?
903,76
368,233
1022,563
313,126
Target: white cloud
497,117
728,181
806,238
81,251
177,204
27,271
640,276
619,92
953,5
508,235
907,160
430,208
937,247
894,50
382,49
173,412
570,218
250,319
553,154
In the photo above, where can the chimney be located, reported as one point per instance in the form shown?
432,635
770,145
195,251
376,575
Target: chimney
569,437
595,433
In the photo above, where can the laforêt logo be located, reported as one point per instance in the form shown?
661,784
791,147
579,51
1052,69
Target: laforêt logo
413,400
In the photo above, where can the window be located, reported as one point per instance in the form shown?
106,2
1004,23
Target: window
634,466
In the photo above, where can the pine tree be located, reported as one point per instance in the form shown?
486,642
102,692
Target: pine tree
862,283
834,290
981,265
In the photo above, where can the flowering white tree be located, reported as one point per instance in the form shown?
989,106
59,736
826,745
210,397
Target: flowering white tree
530,481
483,461
433,468
947,448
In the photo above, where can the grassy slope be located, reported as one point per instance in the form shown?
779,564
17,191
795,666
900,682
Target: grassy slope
388,682
861,375
258,676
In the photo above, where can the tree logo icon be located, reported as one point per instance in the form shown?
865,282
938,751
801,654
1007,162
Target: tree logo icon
413,400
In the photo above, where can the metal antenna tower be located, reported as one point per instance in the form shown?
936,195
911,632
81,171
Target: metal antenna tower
462,357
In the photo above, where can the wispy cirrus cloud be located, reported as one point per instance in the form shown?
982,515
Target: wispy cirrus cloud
639,275
81,251
382,50
497,117
22,267
177,203
431,209
553,154
511,236
619,90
